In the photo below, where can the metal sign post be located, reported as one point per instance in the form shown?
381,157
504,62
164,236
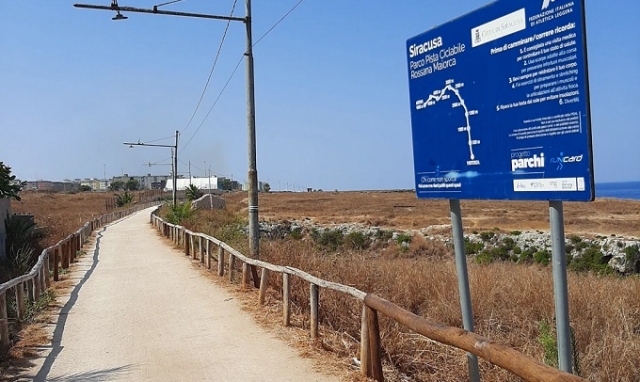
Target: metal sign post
463,282
560,290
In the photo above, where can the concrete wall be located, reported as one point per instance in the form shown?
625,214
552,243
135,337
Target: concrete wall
5,211
205,203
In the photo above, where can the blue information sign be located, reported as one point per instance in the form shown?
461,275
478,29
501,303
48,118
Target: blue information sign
500,104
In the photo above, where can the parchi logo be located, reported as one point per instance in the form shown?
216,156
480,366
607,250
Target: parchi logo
546,4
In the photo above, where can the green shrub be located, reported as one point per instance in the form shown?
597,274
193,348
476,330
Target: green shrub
296,233
517,250
357,240
542,257
547,338
484,257
509,243
328,239
486,236
179,213
575,239
383,234
471,247
516,233
123,200
590,260
403,238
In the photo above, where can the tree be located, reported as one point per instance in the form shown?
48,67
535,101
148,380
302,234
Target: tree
267,187
117,185
84,188
9,188
193,192
132,185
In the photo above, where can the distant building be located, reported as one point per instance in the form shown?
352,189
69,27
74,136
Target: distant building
49,186
96,184
201,183
146,182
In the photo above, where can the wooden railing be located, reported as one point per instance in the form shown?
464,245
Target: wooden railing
59,256
200,246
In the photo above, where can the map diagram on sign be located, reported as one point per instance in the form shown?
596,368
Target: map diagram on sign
453,88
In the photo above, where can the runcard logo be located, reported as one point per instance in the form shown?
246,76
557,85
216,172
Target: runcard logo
562,159
521,161
546,4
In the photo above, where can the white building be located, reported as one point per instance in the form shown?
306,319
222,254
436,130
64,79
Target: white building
201,183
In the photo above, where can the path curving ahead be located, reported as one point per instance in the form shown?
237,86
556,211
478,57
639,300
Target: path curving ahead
142,313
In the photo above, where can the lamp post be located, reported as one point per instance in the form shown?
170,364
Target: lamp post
254,229
174,157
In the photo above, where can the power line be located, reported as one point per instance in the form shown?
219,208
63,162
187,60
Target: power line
278,22
214,104
213,67
156,140
234,72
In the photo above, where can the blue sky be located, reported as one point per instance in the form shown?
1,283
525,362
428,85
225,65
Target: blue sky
332,105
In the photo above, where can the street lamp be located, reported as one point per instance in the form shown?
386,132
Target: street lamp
254,228
174,157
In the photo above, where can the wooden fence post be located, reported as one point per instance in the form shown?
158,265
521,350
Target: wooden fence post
286,298
192,243
37,290
209,254
232,265
365,359
30,291
200,250
20,301
314,296
374,345
4,320
264,281
245,275
220,261
186,243
56,260
47,280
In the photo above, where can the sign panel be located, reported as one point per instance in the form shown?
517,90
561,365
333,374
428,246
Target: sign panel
500,104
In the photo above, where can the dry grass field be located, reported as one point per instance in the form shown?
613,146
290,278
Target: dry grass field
401,210
511,302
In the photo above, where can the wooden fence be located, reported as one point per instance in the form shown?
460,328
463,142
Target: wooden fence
30,286
207,248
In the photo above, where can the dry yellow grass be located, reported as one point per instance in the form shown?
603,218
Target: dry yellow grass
509,300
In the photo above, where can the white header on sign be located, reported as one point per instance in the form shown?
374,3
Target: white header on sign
499,28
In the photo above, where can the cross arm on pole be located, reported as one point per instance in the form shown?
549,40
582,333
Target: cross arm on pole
155,10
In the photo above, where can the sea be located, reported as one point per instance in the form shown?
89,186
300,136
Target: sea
620,190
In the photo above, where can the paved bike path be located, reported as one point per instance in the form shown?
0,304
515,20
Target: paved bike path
142,313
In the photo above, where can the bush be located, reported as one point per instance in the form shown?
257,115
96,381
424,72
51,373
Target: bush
357,240
484,257
403,238
328,239
122,200
296,233
542,257
179,213
486,236
516,233
591,260
472,248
